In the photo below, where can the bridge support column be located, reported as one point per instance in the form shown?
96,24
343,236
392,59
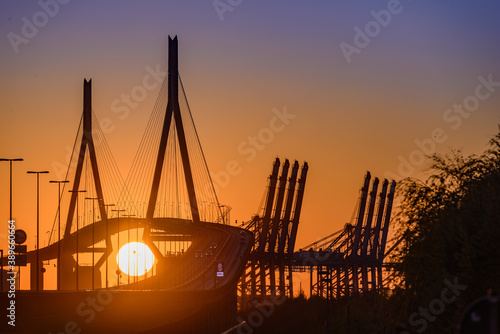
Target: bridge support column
33,267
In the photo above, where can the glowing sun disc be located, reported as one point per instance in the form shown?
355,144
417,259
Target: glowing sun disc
135,259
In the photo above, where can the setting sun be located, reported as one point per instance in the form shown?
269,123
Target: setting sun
135,259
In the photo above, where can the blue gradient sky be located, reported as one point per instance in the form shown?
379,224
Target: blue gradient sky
351,117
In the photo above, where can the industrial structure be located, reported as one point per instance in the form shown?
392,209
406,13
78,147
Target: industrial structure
269,268
351,261
347,262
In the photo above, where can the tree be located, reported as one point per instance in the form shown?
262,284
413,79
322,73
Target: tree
450,225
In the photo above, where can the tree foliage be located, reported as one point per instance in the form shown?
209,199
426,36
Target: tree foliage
451,229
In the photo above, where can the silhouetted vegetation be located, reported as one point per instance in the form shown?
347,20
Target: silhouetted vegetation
297,315
449,256
356,314
451,229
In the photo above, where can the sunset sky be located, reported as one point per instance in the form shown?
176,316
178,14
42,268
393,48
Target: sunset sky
365,84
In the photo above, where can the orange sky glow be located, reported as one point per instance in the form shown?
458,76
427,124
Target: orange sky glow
426,82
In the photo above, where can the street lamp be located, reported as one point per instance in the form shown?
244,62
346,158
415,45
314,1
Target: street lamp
77,251
10,217
107,255
10,161
93,237
128,250
118,257
38,225
59,233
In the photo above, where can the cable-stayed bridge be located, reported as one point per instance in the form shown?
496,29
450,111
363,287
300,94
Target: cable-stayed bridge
156,249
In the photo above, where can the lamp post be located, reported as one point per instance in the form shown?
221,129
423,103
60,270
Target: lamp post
77,251
118,257
10,216
59,233
10,161
38,225
93,237
128,250
107,255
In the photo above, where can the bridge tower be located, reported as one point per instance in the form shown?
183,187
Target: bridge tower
69,266
172,113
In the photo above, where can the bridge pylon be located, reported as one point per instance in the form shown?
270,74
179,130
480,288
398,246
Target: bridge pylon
69,266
